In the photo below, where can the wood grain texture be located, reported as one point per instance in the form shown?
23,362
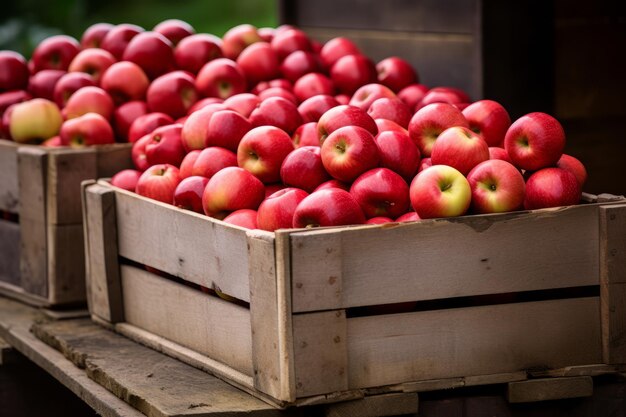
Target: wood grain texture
472,341
549,389
66,264
9,252
103,281
9,187
376,406
111,159
204,323
437,259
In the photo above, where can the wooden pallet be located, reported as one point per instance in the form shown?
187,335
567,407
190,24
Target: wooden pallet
41,238
490,297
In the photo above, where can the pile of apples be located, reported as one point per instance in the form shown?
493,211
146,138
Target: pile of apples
267,128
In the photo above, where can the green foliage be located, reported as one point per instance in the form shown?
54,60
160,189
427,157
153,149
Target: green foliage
25,23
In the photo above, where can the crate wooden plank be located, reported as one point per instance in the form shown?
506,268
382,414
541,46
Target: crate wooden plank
438,259
207,324
182,243
376,406
9,252
104,282
473,341
66,264
9,188
32,175
111,159
613,282
549,389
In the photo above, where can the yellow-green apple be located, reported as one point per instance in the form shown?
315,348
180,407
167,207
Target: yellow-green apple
259,62
328,207
196,127
412,94
348,152
398,153
312,108
278,92
313,84
138,153
230,189
306,135
212,160
93,35
173,94
194,51
303,168
535,141
392,109
126,179
385,125
186,165
497,187
410,216
68,84
262,151
153,52
242,103
575,166
188,193
396,73
86,130
277,210
459,148
429,121
92,61
159,183
450,95
288,41
381,192
226,128
378,220
242,218
174,30
89,99
116,40
551,187
55,52
365,95
13,71
125,81
299,63
489,119
351,72
344,115
42,83
34,120
424,163
146,124
276,111
203,102
237,38
333,184
496,152
440,191
221,78
165,146
336,48
125,115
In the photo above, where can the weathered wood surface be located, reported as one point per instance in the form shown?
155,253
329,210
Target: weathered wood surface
549,389
9,187
9,252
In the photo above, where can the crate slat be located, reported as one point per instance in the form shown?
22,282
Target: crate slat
549,389
66,264
10,252
9,186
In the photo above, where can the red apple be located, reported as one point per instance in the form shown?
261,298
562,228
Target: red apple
138,153
277,82
126,179
392,109
9,98
348,152
55,52
328,207
262,151
497,187
226,128
186,165
86,130
573,165
146,124
267,33
381,192
188,193
221,78
412,94
242,103
242,218
165,146
351,72
278,92
344,115
42,84
92,36
303,168
174,30
203,102
53,142
337,48
424,163
410,216
398,153
13,71
276,111
495,152
89,100
448,95
378,220
93,61
342,98
333,184
277,211
236,39
259,62
194,51
159,183
173,94
212,160
306,135
551,187
312,108
459,148
365,95
288,41
440,191
34,120
299,63
231,189
385,125
313,84
68,84
125,81
489,119
153,52
125,115
535,141
116,40
196,127
428,122
396,73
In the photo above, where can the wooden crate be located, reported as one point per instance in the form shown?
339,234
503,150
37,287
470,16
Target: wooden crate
492,297
41,234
